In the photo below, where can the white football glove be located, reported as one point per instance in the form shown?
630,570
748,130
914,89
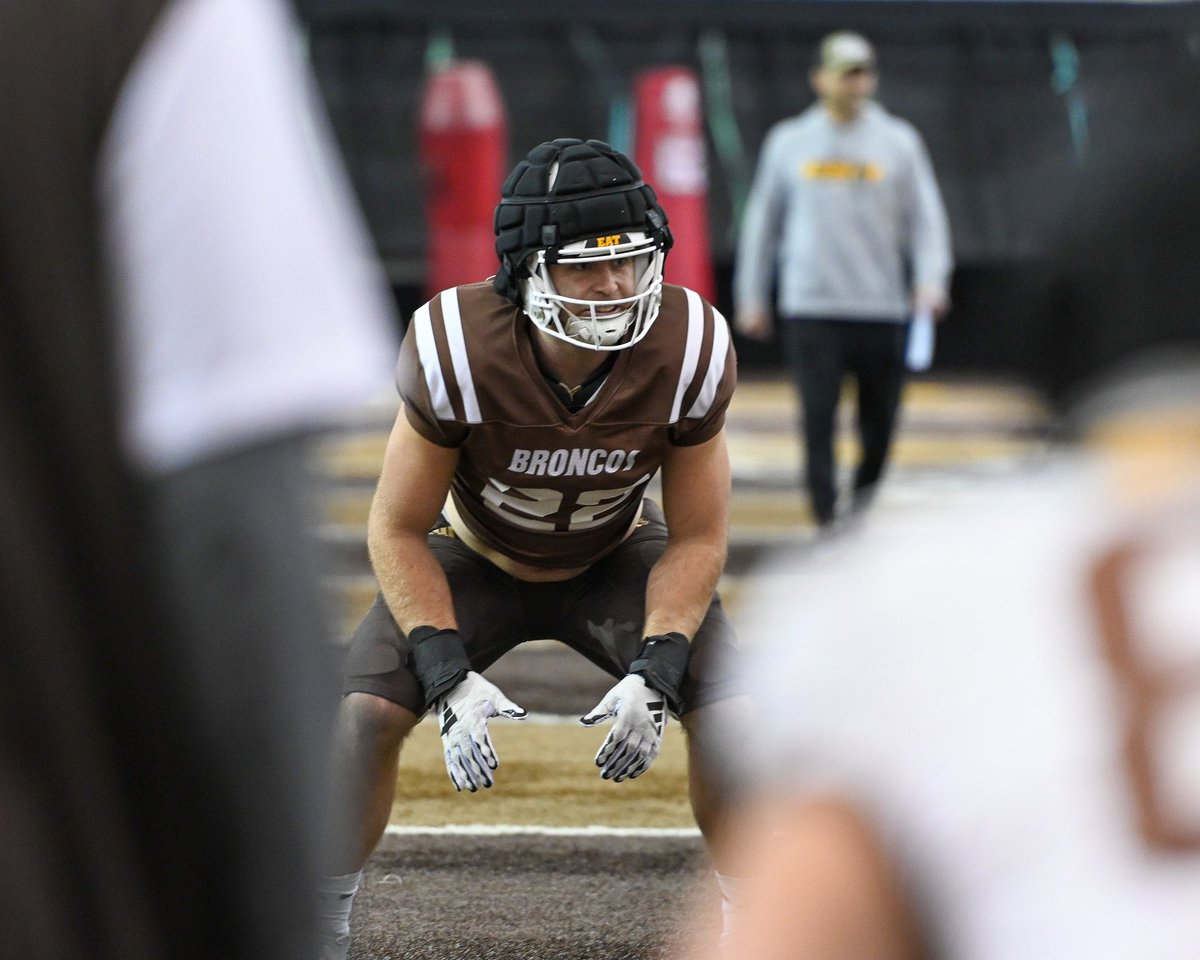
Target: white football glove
462,717
633,742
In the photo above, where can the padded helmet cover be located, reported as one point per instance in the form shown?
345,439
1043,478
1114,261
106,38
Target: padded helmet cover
595,190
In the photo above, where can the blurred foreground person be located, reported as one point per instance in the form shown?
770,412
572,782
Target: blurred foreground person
185,297
998,756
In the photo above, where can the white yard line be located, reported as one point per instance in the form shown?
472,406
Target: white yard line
504,830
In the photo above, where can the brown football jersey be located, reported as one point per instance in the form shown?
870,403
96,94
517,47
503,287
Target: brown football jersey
536,482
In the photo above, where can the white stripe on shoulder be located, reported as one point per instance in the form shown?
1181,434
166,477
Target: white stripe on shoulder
691,350
439,396
716,367
458,354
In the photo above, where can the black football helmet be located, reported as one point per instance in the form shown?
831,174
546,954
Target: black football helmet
571,201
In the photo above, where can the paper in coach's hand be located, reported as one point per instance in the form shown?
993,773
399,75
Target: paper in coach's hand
920,341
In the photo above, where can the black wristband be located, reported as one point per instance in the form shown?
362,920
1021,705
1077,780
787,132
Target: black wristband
438,658
662,662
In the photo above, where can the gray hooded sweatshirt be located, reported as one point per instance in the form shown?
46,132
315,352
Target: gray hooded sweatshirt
842,211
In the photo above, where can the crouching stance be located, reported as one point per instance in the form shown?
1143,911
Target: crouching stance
511,504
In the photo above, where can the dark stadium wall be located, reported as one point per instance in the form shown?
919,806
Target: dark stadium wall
1020,104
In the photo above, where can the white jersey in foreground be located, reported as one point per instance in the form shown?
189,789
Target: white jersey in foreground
251,301
953,673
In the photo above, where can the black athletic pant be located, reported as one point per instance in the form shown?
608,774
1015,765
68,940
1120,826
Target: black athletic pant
821,353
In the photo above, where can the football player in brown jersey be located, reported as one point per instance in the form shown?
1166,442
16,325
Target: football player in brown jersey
511,504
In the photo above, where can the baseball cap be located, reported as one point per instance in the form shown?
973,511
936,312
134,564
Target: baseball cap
844,50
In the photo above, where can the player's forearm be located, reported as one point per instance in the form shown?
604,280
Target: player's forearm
681,584
411,580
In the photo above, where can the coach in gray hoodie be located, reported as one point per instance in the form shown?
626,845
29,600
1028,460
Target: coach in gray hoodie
846,211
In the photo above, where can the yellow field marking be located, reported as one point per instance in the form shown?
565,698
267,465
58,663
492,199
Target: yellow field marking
963,401
353,456
350,598
751,453
927,451
768,512
347,508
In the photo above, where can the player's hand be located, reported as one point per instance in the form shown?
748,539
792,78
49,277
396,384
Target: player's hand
636,735
931,299
463,714
754,322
